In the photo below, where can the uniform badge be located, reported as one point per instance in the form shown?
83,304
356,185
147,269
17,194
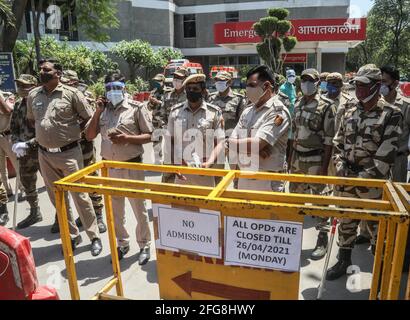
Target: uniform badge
278,120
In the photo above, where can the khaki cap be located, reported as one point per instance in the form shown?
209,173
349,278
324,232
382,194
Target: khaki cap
223,75
195,78
368,73
159,77
182,72
27,79
312,73
324,75
334,76
69,75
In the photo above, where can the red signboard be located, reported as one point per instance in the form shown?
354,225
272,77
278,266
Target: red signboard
294,58
303,30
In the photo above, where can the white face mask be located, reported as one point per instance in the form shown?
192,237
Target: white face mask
384,90
221,86
115,96
292,80
177,83
254,94
308,88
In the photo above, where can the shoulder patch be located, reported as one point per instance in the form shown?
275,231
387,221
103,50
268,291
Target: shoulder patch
327,100
238,94
134,104
177,106
212,106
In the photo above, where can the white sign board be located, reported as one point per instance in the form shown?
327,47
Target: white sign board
263,243
196,232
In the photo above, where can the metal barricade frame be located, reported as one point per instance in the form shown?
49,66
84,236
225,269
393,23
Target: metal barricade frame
391,212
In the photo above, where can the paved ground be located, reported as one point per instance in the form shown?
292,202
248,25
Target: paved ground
141,282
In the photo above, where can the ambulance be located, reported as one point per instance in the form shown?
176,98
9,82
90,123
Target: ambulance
173,65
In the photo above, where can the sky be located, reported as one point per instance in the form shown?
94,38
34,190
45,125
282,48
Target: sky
360,8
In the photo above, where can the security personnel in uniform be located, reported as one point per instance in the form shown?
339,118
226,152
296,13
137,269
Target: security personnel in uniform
23,134
365,147
323,82
58,113
264,124
125,126
202,122
70,78
314,130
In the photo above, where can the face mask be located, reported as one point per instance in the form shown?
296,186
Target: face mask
308,88
157,85
193,96
332,90
323,86
365,94
45,77
177,84
254,94
221,86
115,97
292,80
385,90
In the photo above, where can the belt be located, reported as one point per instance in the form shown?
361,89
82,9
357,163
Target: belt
136,159
62,149
354,167
310,153
5,133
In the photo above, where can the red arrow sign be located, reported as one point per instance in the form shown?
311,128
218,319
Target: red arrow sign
189,285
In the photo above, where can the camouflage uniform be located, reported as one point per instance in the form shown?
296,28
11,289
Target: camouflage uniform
399,171
314,128
366,144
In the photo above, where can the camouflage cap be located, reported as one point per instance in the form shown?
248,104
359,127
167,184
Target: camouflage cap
368,73
182,72
159,77
335,76
69,75
324,75
223,75
194,78
27,79
312,73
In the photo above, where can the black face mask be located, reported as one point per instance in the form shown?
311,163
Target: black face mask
45,77
193,96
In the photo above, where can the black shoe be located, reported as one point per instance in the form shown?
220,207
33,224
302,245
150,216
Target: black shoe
362,239
78,222
55,228
340,268
4,215
75,242
96,247
144,256
122,251
21,197
34,217
101,225
321,246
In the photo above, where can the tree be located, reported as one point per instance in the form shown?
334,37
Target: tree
170,53
388,37
274,31
136,53
9,31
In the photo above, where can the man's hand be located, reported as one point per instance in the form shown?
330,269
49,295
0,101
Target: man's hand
206,165
120,138
101,102
154,101
265,152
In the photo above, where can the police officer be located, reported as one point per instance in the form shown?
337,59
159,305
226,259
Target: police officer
323,82
265,125
202,123
365,147
125,126
70,78
390,92
23,134
314,130
58,112
231,103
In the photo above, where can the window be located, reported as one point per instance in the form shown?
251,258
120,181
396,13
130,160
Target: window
232,16
243,60
189,26
231,60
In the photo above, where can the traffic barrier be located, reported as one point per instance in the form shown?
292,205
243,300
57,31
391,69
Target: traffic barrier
249,241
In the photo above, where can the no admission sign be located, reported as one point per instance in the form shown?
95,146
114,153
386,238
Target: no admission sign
206,254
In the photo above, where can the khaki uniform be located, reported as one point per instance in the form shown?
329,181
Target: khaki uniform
131,118
271,123
171,99
314,128
57,118
399,171
194,125
365,147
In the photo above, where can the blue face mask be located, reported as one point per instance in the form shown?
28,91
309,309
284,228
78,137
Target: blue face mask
332,90
157,85
323,86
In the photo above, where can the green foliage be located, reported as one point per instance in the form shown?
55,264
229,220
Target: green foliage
89,64
279,13
6,14
97,88
138,85
170,53
273,30
95,17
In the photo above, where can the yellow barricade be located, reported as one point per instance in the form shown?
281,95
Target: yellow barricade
183,275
